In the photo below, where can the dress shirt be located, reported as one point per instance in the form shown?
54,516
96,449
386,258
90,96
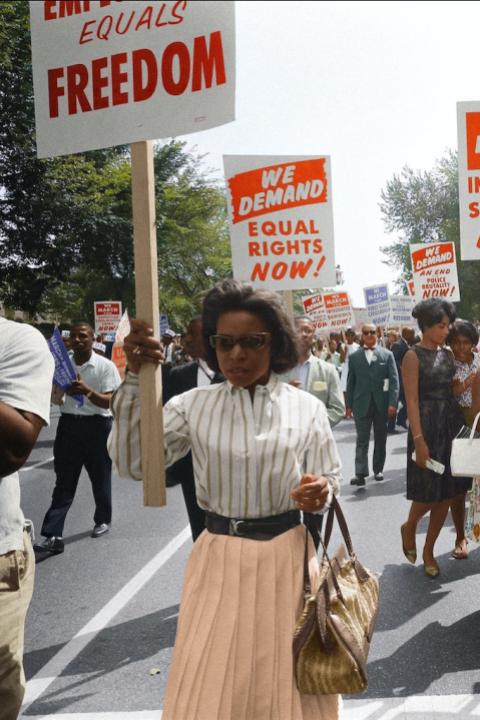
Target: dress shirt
101,375
302,372
204,374
369,353
247,456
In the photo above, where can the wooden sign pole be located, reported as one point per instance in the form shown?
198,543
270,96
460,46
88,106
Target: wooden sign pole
146,292
288,300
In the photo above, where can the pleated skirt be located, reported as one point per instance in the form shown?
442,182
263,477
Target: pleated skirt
233,652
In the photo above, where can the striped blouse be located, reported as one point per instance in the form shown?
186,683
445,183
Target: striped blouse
247,456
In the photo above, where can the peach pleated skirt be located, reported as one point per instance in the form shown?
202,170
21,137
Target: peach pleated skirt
233,652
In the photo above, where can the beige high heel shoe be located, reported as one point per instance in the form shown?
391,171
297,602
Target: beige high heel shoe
411,555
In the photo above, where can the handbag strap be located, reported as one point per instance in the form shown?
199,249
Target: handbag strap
474,426
335,510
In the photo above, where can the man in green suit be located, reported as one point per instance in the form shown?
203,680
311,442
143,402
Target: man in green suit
314,375
372,397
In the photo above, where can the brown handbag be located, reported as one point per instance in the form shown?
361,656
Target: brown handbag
332,638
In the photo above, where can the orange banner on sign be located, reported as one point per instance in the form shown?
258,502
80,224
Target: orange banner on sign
473,133
278,187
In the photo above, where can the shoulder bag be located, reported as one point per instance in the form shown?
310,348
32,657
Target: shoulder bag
465,455
332,638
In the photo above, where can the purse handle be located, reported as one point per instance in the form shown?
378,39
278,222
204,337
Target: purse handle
474,426
336,510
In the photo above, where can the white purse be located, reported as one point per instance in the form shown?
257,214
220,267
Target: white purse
465,457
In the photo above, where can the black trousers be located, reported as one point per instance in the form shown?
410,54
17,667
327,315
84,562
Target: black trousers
363,426
81,441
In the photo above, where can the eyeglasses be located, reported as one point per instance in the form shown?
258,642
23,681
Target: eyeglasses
252,341
369,332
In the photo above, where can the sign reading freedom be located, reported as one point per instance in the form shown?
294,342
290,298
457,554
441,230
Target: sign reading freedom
111,73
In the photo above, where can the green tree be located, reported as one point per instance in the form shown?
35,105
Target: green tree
66,223
423,207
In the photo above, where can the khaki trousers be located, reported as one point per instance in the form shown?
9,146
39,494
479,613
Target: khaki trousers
17,570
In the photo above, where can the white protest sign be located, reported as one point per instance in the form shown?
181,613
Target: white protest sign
315,309
107,316
123,328
401,307
361,318
377,302
339,310
109,73
434,270
468,121
281,220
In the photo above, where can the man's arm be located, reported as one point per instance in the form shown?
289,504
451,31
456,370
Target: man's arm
350,383
18,434
335,404
393,382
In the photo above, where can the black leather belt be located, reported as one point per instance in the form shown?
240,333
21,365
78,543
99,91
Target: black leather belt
264,528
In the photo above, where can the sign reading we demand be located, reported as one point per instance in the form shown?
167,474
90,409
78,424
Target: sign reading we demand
434,268
281,221
109,73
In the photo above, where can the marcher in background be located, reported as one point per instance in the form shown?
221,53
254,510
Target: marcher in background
372,396
26,372
99,348
463,340
255,469
350,346
434,420
81,441
180,379
333,356
314,375
399,348
168,344
392,338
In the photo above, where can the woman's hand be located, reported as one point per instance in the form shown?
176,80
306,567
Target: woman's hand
141,347
422,453
312,493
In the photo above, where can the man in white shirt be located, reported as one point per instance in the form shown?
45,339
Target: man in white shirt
26,371
81,441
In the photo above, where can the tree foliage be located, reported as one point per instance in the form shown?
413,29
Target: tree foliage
66,223
423,207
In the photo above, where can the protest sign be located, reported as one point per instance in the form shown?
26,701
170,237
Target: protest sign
123,328
119,358
401,307
411,288
468,122
315,309
339,310
164,325
281,220
361,318
65,372
377,302
434,270
110,73
107,316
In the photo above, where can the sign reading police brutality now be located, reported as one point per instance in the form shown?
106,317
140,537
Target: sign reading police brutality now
434,270
468,119
108,73
281,221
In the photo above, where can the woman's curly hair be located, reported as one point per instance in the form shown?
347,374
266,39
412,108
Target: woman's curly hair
233,296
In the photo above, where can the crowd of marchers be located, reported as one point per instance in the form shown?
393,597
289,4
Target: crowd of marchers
250,400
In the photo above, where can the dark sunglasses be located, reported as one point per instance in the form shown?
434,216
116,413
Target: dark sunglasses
252,341
369,332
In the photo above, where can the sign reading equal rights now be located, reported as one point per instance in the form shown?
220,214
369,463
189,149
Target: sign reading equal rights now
109,73
281,220
434,268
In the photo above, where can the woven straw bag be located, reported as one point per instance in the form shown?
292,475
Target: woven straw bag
332,638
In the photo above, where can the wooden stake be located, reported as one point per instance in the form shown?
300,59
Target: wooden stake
288,300
146,292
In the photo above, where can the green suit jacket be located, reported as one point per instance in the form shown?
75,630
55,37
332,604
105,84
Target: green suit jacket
323,382
377,381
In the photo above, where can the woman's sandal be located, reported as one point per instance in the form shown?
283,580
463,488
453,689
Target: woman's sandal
461,550
411,555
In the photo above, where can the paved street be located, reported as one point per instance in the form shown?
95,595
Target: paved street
102,622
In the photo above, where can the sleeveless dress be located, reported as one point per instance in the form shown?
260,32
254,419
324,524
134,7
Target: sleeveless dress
441,418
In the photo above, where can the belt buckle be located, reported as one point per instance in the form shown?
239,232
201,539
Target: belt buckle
234,526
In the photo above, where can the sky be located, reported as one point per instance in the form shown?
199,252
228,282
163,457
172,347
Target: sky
372,84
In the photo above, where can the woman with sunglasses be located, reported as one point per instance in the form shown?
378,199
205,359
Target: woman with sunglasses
435,418
262,451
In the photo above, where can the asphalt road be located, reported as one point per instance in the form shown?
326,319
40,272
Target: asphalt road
102,622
